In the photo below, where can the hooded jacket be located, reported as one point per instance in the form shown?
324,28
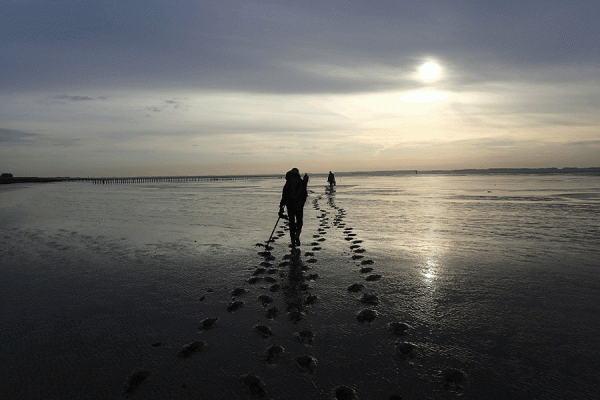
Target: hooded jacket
294,191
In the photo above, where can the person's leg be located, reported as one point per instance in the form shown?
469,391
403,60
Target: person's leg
293,224
299,222
299,218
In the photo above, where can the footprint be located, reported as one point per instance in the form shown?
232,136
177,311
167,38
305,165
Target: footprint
373,277
356,287
316,248
296,316
321,240
191,348
208,323
305,336
234,305
274,352
406,349
272,312
453,376
265,299
359,250
255,384
264,330
307,363
370,299
366,315
357,257
344,393
275,287
311,299
135,380
366,270
354,246
399,328
357,241
366,262
238,291
312,260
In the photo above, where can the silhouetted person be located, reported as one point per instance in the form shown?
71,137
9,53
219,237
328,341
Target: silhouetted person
293,198
331,179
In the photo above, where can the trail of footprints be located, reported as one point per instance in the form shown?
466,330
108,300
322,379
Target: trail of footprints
291,278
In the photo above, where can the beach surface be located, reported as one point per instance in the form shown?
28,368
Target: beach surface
420,288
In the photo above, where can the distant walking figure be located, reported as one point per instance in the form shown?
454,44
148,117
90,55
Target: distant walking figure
331,179
293,198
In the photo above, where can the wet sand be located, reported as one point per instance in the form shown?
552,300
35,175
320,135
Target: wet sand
330,319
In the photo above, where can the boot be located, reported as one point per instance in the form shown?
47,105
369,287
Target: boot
293,239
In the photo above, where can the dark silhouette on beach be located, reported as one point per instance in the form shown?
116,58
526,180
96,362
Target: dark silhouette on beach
293,198
331,179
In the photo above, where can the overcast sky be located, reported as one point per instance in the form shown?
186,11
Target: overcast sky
192,87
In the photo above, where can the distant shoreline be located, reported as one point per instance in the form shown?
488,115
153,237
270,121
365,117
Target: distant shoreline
490,171
30,180
181,178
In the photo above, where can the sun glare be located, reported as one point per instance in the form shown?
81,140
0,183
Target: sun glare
429,70
423,97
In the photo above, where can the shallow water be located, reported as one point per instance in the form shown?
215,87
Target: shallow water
496,274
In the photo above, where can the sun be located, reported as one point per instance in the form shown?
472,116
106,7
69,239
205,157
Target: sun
429,70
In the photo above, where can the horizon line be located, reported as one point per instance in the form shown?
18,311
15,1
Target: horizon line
402,171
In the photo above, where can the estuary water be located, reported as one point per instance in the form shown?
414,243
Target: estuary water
495,276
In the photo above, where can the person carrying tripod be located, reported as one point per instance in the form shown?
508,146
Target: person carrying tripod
293,198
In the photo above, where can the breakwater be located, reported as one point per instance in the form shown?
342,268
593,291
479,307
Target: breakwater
108,181
132,180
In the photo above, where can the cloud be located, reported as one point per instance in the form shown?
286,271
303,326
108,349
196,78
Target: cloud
73,98
163,105
281,47
12,136
17,137
66,99
585,143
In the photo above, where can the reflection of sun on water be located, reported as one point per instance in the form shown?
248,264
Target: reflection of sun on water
430,271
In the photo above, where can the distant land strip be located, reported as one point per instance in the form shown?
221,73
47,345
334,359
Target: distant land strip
142,179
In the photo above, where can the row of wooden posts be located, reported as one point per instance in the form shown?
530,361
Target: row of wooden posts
105,181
